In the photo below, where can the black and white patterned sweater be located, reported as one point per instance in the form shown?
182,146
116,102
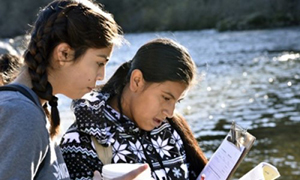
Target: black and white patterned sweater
162,148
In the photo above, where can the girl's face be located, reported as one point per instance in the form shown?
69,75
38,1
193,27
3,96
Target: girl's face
151,106
76,78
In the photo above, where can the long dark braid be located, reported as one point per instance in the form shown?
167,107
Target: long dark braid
37,60
80,24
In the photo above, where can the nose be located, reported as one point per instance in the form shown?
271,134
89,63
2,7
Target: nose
101,74
169,111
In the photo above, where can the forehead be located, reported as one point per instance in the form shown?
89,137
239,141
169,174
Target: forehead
100,51
174,88
92,53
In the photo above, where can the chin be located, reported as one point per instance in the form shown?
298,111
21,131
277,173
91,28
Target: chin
148,129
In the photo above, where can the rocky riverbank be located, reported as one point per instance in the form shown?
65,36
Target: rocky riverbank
139,16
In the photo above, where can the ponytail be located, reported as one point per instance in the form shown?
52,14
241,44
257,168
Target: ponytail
119,79
194,154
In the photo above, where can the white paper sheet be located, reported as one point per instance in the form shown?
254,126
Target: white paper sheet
222,161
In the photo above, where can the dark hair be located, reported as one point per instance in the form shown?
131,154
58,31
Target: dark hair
194,153
162,60
81,24
159,60
9,66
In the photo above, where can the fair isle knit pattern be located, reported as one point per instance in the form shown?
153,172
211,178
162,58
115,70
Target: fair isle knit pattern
162,148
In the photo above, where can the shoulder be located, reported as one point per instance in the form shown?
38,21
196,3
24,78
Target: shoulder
21,117
74,141
23,127
16,107
79,154
18,99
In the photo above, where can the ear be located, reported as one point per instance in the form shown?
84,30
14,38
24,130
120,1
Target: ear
137,81
63,53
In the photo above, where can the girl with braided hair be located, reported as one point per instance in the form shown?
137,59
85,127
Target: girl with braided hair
70,44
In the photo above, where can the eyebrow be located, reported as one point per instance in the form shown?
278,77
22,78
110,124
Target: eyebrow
170,94
180,99
103,56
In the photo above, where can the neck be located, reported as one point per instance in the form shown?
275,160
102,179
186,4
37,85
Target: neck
114,103
25,79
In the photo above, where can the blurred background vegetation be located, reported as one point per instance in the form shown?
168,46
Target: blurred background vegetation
168,15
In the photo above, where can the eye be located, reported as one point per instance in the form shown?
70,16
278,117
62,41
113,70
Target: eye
100,64
166,98
179,101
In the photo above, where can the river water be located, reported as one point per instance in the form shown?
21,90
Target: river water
250,77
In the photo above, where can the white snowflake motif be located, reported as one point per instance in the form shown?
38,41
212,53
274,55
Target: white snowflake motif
177,172
162,147
120,152
185,170
137,149
105,132
177,140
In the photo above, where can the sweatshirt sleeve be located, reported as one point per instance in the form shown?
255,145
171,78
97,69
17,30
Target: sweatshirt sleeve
24,139
79,155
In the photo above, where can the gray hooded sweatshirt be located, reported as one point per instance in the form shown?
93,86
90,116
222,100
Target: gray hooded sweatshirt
26,150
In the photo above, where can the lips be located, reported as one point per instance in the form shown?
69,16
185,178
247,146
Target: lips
157,122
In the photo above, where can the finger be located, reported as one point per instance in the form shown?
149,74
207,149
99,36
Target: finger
97,175
134,173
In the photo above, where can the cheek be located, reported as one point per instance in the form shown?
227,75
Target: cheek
137,108
86,76
146,109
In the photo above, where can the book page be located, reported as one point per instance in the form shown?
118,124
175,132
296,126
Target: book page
263,171
222,161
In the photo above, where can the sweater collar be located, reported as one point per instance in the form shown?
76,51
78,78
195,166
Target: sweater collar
96,118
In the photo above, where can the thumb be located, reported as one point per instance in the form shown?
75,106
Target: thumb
97,175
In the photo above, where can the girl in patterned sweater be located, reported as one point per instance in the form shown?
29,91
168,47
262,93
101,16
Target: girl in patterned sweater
133,113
